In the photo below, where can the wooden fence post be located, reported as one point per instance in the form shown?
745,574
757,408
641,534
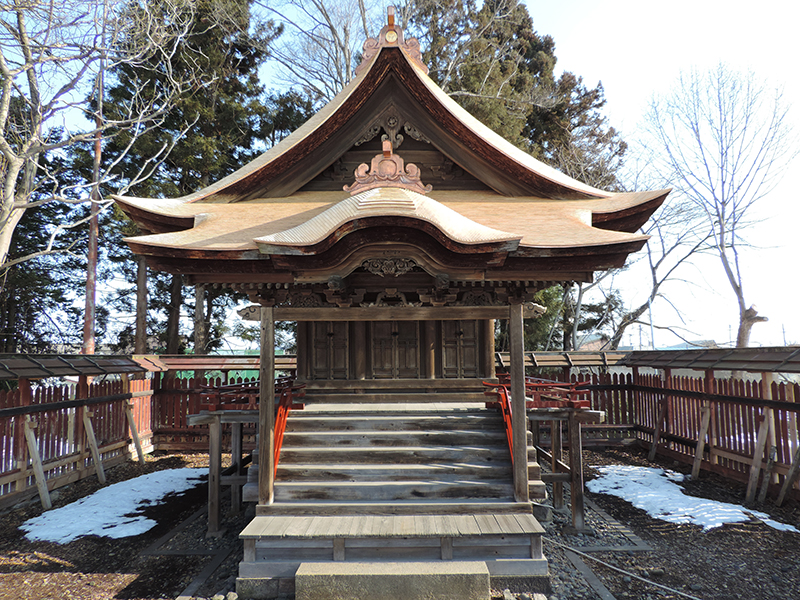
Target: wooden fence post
38,471
98,464
662,415
126,388
705,428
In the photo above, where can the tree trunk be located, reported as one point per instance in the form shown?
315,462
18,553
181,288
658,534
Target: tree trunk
747,319
174,317
140,341
199,320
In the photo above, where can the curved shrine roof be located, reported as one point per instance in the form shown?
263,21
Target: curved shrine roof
525,208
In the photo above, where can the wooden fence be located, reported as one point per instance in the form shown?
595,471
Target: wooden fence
741,424
66,431
750,427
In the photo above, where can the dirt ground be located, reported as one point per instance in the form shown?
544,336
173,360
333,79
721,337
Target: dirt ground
744,561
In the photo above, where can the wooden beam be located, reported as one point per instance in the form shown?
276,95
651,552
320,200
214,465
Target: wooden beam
755,465
38,471
126,388
266,409
392,313
98,464
518,409
791,477
705,420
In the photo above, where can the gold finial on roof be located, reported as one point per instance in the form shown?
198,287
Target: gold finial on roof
391,35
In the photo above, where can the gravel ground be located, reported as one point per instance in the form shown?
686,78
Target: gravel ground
745,561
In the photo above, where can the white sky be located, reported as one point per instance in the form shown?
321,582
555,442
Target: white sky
637,48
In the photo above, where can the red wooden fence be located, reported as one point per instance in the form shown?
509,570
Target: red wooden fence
630,402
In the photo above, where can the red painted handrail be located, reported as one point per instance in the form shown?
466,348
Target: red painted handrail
287,390
503,402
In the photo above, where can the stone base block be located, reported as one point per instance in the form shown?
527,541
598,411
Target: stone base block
465,580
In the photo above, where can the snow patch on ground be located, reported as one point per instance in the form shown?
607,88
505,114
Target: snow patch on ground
113,511
656,491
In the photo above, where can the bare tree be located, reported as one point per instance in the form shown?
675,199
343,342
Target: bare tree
51,55
724,139
323,39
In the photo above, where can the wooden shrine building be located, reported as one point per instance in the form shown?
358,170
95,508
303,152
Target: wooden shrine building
394,228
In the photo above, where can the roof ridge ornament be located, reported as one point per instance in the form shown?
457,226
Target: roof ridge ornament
387,170
391,36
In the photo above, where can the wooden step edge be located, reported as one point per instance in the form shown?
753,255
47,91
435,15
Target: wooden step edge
410,507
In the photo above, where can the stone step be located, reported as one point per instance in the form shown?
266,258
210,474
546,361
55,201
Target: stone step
393,454
392,472
392,490
399,422
421,397
466,580
331,439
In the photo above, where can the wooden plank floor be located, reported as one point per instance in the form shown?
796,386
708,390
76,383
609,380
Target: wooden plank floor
309,527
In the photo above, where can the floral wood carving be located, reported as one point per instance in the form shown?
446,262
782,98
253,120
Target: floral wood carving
389,266
391,36
387,170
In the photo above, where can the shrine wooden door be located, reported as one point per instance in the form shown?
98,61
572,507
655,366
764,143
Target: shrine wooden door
460,349
395,349
330,358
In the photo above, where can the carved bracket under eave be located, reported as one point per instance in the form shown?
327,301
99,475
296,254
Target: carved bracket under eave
387,170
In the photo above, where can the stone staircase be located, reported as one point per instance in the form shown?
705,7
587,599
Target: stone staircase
393,483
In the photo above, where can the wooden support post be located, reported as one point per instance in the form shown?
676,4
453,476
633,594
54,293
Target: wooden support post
38,471
556,456
576,472
792,418
266,409
755,465
214,473
126,388
772,443
791,477
662,415
519,416
713,435
360,356
20,443
134,431
705,421
488,348
89,429
429,349
236,460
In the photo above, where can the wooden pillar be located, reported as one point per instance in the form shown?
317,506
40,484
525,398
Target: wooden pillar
214,474
359,349
266,409
429,349
518,410
236,460
488,346
576,472
556,455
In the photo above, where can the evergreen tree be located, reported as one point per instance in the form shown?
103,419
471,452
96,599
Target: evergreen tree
213,129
